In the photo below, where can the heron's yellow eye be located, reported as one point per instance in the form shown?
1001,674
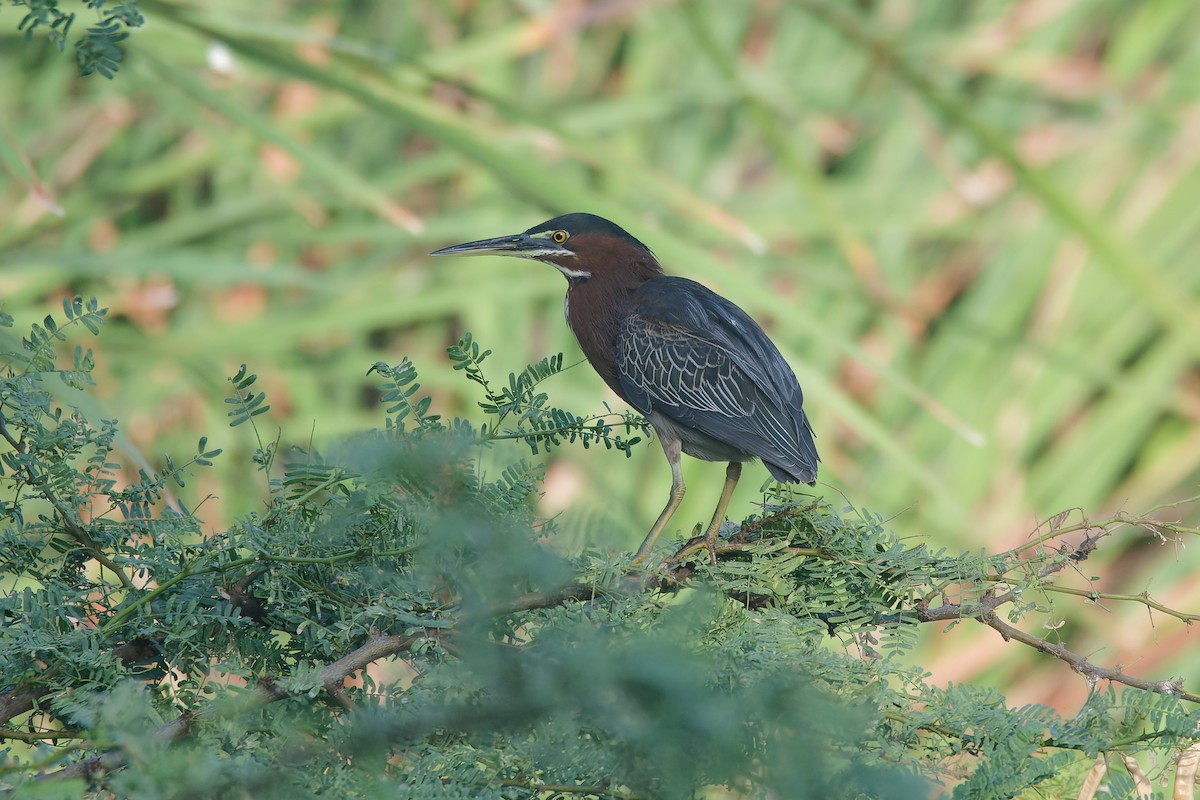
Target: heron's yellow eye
559,236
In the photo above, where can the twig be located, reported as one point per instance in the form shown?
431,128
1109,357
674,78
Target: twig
1143,598
73,528
15,703
23,699
38,736
537,788
1080,664
1070,555
985,612
550,599
330,677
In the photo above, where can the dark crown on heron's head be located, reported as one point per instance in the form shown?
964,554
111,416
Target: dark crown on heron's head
579,224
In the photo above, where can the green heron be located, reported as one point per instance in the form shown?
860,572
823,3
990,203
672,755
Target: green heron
695,365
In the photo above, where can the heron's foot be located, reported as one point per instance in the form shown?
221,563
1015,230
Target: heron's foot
710,541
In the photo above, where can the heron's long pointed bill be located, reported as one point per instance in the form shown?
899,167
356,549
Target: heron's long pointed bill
521,245
501,245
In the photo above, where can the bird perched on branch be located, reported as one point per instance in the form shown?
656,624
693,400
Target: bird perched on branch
698,367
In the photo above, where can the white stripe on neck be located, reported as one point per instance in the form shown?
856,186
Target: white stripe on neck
571,273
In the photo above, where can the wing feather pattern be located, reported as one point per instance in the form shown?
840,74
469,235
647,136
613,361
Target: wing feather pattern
704,364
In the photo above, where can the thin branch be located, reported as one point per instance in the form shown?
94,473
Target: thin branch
1092,672
548,599
330,677
38,736
73,528
25,698
192,570
537,788
17,702
1068,556
1142,598
581,425
985,612
1056,529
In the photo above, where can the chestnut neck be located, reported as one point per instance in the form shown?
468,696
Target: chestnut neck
601,296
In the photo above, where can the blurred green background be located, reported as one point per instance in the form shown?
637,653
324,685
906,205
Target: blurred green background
973,227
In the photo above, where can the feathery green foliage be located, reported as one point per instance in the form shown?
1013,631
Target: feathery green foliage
99,48
155,657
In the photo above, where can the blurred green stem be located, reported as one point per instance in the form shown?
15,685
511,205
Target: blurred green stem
1142,277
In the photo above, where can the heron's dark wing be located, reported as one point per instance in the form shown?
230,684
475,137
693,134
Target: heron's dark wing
702,362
